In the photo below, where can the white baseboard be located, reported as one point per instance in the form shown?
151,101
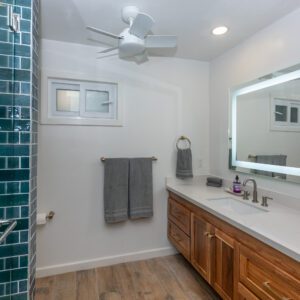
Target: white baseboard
103,261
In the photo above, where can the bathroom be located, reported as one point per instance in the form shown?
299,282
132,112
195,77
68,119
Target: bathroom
175,108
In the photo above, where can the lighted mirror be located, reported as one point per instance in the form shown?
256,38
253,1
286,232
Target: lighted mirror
264,134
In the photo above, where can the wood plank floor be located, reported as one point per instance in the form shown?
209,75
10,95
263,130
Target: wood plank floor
169,278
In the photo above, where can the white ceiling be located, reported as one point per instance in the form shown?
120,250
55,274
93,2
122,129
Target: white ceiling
192,21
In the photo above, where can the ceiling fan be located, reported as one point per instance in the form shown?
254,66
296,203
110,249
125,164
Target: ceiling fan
134,41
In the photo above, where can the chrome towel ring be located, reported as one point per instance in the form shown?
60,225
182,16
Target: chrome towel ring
183,138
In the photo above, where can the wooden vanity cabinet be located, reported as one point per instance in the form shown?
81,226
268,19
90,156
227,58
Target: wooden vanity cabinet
235,264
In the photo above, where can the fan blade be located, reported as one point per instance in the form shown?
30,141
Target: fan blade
141,25
108,50
103,32
161,41
141,58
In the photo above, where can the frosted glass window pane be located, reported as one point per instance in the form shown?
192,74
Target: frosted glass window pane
67,100
97,101
280,113
294,115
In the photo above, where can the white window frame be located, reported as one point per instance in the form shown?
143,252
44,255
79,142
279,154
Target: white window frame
50,116
284,125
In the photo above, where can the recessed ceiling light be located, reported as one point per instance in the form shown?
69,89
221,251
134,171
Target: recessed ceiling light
220,30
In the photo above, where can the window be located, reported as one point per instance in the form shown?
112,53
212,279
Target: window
285,115
76,102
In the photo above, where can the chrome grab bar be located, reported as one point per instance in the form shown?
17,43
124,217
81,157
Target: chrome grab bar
11,225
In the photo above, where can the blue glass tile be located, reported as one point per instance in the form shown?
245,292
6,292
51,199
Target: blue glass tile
19,274
25,26
3,137
2,289
25,185
22,286
22,296
11,263
2,215
7,48
3,60
17,9
13,137
23,259
3,11
6,74
25,63
26,40
21,75
3,35
20,50
12,212
13,238
25,88
6,125
24,236
15,150
25,138
13,187
2,188
2,163
14,112
4,276
26,13
3,110
13,200
7,288
25,162
23,2
13,163
24,211
14,62
14,287
21,125
13,175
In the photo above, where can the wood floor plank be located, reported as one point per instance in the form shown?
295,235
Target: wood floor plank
44,289
146,285
167,279
65,286
107,285
86,285
193,285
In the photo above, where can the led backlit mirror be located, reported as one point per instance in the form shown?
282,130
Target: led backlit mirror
264,131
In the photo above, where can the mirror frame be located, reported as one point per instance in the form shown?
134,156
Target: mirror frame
253,86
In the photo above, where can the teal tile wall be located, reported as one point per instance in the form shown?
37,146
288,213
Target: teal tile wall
19,94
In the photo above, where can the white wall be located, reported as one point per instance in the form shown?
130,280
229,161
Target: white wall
163,98
272,49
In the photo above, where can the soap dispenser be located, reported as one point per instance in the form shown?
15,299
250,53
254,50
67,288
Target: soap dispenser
236,185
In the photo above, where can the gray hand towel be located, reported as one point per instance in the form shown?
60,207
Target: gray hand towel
184,163
140,188
116,174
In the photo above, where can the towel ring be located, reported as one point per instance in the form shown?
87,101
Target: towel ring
183,138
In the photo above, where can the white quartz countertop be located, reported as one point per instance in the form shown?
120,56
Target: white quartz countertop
277,225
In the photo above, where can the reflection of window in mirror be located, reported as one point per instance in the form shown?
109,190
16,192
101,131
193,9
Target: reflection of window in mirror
285,114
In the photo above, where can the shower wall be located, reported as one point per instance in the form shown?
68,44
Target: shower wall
18,148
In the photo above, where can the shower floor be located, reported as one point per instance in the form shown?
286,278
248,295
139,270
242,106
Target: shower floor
169,277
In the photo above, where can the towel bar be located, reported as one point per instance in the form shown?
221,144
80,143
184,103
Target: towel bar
153,158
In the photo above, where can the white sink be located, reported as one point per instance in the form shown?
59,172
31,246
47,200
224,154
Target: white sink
238,206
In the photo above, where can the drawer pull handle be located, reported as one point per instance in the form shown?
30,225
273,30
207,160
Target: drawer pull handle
266,284
209,235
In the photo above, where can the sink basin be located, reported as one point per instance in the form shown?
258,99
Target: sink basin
233,205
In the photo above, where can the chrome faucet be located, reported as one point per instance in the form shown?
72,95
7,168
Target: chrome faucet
254,188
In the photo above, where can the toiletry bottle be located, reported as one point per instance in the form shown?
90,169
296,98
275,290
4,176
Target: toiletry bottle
236,186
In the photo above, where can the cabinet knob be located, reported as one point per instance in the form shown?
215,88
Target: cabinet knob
209,235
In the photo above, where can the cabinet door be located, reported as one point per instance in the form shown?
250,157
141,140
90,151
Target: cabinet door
202,246
224,265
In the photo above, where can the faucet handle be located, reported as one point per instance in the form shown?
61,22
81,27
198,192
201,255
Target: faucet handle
265,201
246,195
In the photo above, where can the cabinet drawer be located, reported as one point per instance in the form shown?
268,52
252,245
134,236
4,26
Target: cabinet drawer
180,216
245,294
264,279
180,240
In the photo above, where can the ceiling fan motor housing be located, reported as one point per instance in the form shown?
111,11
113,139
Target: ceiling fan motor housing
130,45
129,13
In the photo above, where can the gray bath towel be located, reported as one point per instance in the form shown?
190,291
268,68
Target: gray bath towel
184,163
116,174
140,188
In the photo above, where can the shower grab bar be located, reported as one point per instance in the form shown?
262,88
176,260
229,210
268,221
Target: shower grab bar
13,19
11,225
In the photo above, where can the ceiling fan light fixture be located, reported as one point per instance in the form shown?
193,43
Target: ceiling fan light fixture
219,30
